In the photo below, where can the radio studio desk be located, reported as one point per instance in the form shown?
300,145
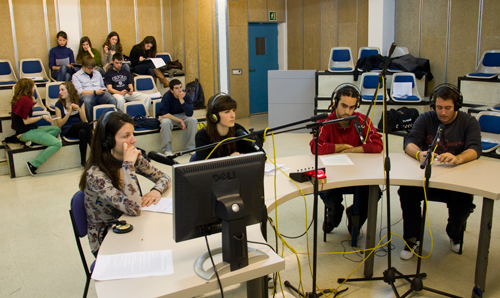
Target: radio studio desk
153,231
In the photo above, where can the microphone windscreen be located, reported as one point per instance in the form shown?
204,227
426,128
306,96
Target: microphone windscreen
158,157
319,117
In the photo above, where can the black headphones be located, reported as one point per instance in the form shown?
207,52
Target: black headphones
214,117
336,96
457,105
108,141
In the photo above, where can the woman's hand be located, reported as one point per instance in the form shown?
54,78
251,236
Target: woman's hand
106,49
75,107
235,153
47,118
152,197
141,58
130,153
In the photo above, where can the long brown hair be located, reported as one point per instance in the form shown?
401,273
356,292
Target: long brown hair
118,48
72,94
24,87
81,51
223,103
151,53
101,156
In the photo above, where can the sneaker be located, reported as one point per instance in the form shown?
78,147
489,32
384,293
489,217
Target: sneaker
168,153
27,143
327,226
455,246
31,168
406,253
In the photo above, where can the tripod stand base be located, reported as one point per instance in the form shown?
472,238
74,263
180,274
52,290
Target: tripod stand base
389,277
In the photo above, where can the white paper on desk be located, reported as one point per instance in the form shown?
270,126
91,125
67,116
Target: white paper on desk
164,205
402,89
278,171
269,167
133,265
336,160
158,62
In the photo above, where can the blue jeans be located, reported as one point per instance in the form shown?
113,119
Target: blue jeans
63,74
44,135
91,100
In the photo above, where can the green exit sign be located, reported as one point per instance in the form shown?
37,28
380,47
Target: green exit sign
273,16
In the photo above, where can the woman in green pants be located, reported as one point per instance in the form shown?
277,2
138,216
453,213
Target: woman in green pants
23,123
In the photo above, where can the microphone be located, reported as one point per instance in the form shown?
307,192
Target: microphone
436,140
439,133
319,117
158,157
359,130
241,132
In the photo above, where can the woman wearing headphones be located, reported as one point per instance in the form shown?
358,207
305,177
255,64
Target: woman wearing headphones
109,181
221,116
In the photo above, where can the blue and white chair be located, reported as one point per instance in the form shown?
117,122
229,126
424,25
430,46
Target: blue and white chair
165,56
156,107
146,84
368,86
341,60
32,68
405,77
490,130
489,66
136,108
7,74
398,52
102,109
51,95
367,52
78,217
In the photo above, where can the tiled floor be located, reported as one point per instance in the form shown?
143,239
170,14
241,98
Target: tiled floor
39,258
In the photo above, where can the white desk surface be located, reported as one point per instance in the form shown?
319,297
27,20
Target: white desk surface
153,231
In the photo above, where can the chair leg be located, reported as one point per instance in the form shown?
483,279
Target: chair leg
324,220
87,283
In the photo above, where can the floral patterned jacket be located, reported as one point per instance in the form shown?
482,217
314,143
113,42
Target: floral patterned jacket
104,202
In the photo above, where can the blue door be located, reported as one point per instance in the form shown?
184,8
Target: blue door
262,56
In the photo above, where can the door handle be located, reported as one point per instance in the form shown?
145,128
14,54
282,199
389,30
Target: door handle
251,69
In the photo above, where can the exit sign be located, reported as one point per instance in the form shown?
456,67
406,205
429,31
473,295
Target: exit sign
273,16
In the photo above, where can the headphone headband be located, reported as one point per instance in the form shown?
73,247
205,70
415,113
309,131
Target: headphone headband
107,140
211,115
336,98
457,105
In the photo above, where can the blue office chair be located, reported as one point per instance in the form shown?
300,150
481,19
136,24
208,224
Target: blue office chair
165,56
490,130
146,84
368,84
137,108
33,68
52,95
7,74
102,109
79,221
341,60
489,66
405,77
193,158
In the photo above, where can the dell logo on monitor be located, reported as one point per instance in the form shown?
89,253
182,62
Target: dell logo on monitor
224,176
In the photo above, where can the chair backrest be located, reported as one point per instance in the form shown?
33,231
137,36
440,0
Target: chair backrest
134,108
369,81
489,122
165,56
490,62
368,51
102,109
78,214
368,86
405,77
7,73
52,95
32,68
398,52
192,158
341,59
145,84
156,107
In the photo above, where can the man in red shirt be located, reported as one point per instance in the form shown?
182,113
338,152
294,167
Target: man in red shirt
342,137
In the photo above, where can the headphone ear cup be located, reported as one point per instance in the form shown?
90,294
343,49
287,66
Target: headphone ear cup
110,142
214,118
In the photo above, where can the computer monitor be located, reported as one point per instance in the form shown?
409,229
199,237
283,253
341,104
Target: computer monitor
220,195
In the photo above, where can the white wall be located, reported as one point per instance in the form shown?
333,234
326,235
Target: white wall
381,20
70,22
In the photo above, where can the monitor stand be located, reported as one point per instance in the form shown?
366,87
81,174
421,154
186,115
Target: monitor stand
254,256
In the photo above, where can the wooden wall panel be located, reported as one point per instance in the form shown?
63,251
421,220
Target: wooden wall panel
434,30
490,31
207,46
191,40
328,34
407,24
257,10
311,34
30,30
51,15
348,26
94,22
7,44
167,28
177,18
362,24
122,14
238,55
463,39
149,21
295,35
279,7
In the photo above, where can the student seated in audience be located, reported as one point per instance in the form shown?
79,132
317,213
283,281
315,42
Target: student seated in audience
176,108
61,59
72,120
120,83
109,180
23,123
90,86
110,47
221,116
139,54
85,50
